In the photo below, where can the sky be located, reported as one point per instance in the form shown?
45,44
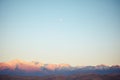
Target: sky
77,32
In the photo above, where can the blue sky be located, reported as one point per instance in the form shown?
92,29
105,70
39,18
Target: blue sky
77,32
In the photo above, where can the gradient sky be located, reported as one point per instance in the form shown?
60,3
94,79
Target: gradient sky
77,32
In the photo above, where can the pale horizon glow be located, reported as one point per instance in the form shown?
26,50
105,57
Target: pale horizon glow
76,32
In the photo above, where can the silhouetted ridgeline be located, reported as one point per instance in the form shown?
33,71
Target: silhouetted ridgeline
62,77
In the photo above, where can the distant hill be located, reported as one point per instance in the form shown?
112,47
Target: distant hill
62,77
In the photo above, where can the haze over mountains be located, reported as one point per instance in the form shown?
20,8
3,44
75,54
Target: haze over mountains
34,68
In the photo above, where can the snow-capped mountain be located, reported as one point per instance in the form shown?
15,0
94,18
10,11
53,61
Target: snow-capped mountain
20,67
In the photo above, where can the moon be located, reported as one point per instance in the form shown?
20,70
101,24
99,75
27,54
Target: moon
60,19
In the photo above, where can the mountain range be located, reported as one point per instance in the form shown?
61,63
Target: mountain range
34,68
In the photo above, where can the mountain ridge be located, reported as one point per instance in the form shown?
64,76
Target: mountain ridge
20,67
